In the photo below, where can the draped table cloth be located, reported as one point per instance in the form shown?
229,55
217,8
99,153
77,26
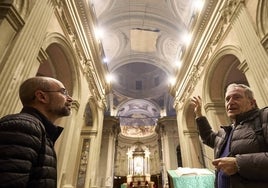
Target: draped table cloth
191,178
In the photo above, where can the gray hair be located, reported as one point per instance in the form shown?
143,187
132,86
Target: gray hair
248,92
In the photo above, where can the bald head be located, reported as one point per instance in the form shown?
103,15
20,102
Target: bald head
47,95
28,88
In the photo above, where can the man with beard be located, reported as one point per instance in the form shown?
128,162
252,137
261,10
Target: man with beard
27,155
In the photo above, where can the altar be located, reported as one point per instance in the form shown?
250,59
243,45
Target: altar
138,167
189,178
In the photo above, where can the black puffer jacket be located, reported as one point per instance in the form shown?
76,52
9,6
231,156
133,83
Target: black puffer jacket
247,145
27,156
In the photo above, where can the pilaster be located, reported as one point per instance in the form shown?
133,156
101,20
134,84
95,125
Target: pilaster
110,132
22,60
92,179
67,148
254,52
169,141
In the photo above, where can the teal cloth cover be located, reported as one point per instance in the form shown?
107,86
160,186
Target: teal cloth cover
191,181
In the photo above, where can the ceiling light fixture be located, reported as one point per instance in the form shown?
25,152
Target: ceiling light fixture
172,81
105,60
178,63
198,4
187,38
110,78
98,33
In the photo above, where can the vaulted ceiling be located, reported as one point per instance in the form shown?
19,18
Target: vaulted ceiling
142,42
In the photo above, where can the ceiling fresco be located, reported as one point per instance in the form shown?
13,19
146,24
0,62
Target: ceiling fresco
142,40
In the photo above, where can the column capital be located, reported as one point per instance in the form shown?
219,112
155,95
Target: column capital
9,12
231,8
100,103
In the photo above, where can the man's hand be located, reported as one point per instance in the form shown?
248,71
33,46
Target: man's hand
197,101
227,164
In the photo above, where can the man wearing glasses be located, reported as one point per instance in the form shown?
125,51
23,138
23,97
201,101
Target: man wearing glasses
27,155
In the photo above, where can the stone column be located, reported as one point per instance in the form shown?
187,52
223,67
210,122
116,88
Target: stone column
191,151
110,132
165,151
110,162
22,60
195,158
67,147
169,141
92,179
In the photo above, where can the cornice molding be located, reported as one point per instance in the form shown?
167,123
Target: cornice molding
78,22
96,52
207,45
190,66
9,12
86,132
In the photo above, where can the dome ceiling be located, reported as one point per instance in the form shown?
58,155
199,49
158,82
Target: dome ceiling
141,40
140,80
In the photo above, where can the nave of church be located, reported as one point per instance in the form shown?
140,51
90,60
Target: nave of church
133,131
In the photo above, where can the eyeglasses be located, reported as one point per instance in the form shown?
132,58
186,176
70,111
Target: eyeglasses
61,90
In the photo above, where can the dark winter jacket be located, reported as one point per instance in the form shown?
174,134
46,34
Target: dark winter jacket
247,145
27,156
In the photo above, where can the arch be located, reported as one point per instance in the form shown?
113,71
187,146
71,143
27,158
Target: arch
194,156
61,62
189,116
261,20
222,70
90,113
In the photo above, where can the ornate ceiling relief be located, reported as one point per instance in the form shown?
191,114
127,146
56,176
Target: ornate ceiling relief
231,7
138,118
170,49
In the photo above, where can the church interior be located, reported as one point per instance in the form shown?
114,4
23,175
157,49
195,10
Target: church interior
132,67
